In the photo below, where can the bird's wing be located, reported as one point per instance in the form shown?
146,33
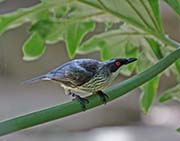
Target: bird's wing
71,75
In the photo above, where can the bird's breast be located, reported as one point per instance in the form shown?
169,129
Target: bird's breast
98,82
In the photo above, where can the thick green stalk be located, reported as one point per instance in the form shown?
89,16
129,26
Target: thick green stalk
60,111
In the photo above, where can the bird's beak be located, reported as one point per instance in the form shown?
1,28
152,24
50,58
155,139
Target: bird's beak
130,60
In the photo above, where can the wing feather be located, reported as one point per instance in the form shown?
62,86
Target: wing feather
72,75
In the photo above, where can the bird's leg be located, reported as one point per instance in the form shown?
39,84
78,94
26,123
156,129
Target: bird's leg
82,101
104,97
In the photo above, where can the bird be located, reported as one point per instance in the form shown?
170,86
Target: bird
85,75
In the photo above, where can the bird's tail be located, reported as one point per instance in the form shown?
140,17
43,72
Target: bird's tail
42,77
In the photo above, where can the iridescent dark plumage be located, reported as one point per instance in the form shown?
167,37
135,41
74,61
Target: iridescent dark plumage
87,75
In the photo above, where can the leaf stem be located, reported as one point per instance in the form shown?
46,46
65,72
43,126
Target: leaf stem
60,111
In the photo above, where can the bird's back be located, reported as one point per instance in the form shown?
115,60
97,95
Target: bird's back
75,73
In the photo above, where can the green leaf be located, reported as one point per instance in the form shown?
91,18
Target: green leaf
155,46
138,14
173,93
177,63
33,14
149,93
94,44
143,62
104,49
143,14
33,48
154,6
130,51
175,4
165,97
60,11
2,1
108,25
45,28
112,44
74,35
178,130
56,32
149,89
175,69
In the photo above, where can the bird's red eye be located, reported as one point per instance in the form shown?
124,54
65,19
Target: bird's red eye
117,63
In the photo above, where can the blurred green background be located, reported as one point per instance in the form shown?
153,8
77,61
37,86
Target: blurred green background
120,119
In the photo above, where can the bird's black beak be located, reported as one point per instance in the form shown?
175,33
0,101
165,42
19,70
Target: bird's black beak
129,60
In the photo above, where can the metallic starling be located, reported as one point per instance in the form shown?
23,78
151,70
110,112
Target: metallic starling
86,75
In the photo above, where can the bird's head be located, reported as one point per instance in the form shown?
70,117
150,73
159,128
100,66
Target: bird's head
114,64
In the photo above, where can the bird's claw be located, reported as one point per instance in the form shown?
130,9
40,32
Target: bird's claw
104,97
82,101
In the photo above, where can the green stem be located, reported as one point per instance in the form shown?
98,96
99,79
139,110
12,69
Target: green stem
60,111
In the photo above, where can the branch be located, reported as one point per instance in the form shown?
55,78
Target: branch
60,111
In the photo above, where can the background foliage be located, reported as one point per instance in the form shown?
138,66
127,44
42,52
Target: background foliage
131,29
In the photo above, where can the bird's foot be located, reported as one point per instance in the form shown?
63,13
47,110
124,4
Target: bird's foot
104,97
82,101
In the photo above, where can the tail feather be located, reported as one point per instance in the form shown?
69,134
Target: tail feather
39,78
